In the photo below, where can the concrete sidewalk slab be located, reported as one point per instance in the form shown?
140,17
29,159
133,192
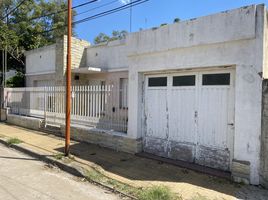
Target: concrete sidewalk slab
130,169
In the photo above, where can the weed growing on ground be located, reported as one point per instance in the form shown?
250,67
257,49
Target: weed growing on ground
151,193
199,197
96,176
13,141
58,156
158,193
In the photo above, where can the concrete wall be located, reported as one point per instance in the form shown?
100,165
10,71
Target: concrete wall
108,56
31,79
26,122
232,38
49,63
3,114
110,78
264,137
41,60
108,139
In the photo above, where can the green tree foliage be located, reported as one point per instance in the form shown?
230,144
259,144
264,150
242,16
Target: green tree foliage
102,37
116,35
16,81
24,29
176,20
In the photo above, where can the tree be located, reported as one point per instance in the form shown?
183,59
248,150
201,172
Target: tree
102,37
16,81
25,30
176,20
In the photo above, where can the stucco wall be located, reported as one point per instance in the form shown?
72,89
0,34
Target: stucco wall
217,28
264,137
41,60
110,78
31,79
49,63
111,55
232,38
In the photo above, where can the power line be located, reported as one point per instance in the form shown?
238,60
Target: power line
102,14
63,10
95,8
130,18
14,9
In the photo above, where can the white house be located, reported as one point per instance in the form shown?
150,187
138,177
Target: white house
196,90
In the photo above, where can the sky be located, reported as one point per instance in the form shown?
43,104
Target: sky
147,15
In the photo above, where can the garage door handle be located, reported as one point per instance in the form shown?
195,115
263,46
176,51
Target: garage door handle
231,124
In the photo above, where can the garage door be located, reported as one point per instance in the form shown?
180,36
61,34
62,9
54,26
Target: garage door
190,117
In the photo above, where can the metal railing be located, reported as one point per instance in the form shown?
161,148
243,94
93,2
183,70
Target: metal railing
97,106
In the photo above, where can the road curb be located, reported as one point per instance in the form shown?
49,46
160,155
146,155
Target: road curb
44,158
63,166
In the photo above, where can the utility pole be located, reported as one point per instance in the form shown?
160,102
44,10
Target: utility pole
130,17
68,82
6,54
3,67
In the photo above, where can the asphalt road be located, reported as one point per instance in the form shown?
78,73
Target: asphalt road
23,177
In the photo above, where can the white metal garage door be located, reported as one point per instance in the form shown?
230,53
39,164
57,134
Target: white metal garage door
190,117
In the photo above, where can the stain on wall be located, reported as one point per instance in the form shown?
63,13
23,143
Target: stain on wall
264,135
189,152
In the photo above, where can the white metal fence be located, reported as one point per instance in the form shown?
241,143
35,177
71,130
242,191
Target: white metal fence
97,106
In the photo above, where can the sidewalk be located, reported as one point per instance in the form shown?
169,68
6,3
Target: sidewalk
129,169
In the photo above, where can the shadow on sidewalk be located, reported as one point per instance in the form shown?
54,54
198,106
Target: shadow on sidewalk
142,169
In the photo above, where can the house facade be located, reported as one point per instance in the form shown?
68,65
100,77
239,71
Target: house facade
196,90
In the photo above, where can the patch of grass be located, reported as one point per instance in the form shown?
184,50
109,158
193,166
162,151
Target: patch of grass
95,175
158,193
13,141
199,197
58,156
151,193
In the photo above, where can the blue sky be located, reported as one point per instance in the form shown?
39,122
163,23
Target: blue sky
150,14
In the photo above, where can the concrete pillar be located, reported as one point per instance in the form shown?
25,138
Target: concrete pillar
135,104
248,91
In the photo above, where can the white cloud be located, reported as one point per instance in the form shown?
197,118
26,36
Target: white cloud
124,1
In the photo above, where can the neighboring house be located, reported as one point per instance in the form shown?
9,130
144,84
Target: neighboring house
197,89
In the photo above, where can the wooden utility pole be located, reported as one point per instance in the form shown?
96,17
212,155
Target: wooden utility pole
130,17
68,82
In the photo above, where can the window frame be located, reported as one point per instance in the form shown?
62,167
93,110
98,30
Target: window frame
154,77
184,75
215,73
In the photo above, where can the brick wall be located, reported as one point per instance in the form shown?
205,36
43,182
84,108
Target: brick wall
78,53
